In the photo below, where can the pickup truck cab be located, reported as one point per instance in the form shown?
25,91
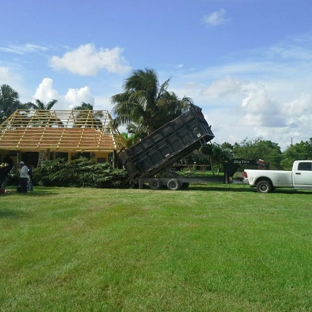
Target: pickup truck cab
266,181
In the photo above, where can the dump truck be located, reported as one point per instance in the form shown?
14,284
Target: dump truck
150,161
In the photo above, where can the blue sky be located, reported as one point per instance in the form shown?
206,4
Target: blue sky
246,63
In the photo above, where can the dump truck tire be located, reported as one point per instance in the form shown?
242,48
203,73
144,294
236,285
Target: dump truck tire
155,184
174,184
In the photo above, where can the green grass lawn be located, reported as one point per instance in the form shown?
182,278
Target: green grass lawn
208,248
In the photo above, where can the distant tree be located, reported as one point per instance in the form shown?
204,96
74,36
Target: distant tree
227,147
41,105
257,148
136,132
9,102
84,106
147,103
299,151
216,156
87,117
129,139
44,117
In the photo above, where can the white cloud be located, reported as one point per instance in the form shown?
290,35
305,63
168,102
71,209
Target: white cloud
216,18
74,97
87,61
7,77
23,49
301,106
257,106
45,91
223,87
289,51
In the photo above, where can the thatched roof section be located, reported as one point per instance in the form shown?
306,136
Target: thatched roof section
60,130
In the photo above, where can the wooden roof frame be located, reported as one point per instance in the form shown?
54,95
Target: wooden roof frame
60,130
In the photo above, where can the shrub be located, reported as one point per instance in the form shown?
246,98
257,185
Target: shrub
80,172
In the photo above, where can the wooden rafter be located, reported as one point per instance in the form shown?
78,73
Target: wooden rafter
70,130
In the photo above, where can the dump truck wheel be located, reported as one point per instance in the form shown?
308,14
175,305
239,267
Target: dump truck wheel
264,186
155,184
174,184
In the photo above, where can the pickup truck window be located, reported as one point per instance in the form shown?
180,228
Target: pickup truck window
305,166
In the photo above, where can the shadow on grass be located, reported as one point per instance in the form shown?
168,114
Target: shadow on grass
40,193
219,189
12,214
293,191
246,190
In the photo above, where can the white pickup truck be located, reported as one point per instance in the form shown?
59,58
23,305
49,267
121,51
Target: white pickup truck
267,180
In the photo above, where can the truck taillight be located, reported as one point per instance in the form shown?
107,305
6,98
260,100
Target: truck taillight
245,175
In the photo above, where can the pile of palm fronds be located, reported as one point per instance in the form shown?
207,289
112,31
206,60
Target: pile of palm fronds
80,172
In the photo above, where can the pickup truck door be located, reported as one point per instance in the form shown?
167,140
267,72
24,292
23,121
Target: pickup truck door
302,174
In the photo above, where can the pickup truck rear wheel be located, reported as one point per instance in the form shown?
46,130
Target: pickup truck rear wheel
264,186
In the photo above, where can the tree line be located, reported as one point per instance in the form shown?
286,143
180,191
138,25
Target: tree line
146,104
255,149
10,102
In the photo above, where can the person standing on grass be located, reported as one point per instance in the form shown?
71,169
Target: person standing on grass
7,159
23,178
4,175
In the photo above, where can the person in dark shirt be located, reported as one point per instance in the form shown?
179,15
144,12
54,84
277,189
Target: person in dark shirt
4,175
7,159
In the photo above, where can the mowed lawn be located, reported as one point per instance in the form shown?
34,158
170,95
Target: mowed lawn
208,248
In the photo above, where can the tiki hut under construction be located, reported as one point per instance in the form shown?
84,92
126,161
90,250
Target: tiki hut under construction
37,135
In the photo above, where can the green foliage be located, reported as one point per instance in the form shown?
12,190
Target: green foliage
84,106
133,136
80,172
40,105
216,156
146,103
302,150
9,102
269,151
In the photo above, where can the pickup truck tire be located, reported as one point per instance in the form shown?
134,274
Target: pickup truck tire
174,184
264,186
155,184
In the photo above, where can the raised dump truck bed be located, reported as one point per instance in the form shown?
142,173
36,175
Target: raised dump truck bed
170,143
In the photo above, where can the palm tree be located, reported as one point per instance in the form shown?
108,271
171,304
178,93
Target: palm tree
41,106
84,106
43,115
145,102
9,102
87,118
138,132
